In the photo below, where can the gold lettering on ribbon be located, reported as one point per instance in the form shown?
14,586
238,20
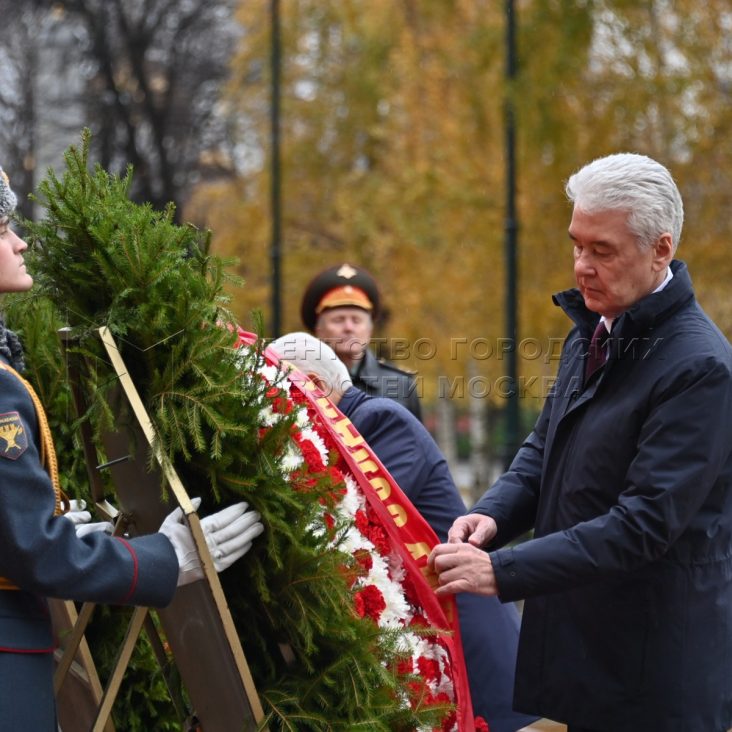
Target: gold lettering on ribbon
361,455
368,466
381,486
357,448
328,409
418,550
351,440
430,576
398,514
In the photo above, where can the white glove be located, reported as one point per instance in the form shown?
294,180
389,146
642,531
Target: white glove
229,534
76,513
84,529
81,518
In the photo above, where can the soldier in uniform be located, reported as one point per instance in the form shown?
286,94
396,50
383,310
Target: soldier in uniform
48,551
340,306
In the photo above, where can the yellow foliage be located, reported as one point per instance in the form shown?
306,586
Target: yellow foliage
393,156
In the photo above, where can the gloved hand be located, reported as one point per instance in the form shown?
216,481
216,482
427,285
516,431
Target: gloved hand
77,513
84,529
229,534
81,518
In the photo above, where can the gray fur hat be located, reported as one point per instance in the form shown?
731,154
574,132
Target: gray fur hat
8,201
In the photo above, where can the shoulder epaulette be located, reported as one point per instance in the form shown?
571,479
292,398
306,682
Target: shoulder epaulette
48,452
392,367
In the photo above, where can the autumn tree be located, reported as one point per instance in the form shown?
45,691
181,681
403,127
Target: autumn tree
145,75
393,157
30,85
652,77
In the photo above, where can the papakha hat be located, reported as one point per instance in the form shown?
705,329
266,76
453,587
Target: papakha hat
340,286
8,201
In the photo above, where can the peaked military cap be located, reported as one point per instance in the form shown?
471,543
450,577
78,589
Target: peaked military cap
340,286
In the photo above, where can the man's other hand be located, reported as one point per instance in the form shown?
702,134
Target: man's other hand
474,528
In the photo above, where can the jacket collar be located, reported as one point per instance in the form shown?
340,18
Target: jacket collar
368,366
646,314
351,398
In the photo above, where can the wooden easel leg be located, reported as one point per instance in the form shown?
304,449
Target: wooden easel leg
125,653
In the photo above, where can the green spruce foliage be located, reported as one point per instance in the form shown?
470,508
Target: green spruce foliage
99,259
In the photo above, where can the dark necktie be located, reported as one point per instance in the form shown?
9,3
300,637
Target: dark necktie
597,352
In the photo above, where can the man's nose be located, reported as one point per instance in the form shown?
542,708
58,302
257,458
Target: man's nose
583,265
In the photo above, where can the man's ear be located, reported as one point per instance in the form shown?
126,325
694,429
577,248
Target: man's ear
317,381
663,252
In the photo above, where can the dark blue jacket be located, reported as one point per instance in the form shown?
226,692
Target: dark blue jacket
489,630
41,555
628,483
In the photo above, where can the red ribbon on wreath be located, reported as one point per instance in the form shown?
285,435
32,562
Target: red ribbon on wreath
408,533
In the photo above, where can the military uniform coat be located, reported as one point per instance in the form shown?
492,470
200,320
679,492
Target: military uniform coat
489,629
380,378
627,626
42,557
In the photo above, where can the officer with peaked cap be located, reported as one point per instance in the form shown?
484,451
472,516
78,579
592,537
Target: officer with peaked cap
339,306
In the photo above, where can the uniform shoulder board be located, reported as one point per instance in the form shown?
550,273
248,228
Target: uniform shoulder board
389,365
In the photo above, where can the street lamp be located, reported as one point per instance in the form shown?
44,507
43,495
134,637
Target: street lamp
276,202
511,238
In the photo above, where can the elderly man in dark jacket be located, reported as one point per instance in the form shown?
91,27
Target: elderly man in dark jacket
489,630
626,480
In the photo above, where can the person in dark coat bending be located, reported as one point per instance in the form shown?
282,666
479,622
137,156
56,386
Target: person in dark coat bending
489,629
339,306
47,550
626,480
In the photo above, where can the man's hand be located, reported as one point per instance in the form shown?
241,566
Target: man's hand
462,567
474,528
229,534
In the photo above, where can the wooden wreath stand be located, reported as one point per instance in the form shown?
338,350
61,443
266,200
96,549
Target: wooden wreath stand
197,626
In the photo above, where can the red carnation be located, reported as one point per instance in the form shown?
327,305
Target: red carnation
405,667
310,453
418,620
301,480
362,522
481,725
419,691
450,721
370,602
282,405
428,668
337,479
441,698
364,559
411,593
377,536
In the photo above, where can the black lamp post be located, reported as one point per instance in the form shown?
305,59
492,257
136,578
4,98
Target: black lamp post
276,202
511,238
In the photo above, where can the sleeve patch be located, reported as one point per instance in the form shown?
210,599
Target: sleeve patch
13,436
